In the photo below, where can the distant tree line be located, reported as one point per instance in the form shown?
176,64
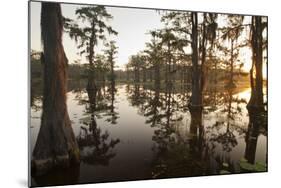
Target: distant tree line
193,48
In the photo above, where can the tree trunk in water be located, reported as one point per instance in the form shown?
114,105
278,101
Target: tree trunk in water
157,74
198,79
137,75
144,74
168,112
92,95
181,74
128,75
252,136
91,85
112,79
256,100
196,97
185,75
166,74
196,131
56,144
259,61
151,75
91,74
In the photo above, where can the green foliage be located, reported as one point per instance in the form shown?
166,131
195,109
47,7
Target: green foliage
110,51
153,51
234,27
94,27
100,63
231,32
137,61
248,167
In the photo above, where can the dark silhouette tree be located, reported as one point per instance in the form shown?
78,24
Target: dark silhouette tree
171,45
251,138
256,75
136,62
110,52
144,68
89,35
56,144
200,36
154,56
94,29
180,24
196,97
231,33
101,68
128,71
207,37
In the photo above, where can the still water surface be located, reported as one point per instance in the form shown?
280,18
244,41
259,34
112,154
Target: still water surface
141,132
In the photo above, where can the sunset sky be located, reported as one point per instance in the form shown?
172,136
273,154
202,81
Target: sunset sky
132,26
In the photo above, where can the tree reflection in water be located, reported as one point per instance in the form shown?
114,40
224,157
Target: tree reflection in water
227,139
183,142
183,149
111,112
153,107
179,155
176,153
95,146
229,107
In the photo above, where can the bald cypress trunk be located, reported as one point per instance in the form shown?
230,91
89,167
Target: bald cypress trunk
255,122
144,74
256,100
196,97
91,85
196,131
157,74
56,144
137,73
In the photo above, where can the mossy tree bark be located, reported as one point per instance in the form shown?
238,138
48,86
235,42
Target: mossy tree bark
56,144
